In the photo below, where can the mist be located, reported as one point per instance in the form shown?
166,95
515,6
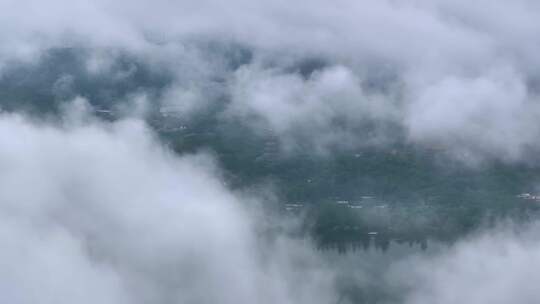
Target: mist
407,63
104,213
95,211
244,152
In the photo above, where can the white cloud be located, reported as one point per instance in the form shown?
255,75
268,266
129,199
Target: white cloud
443,48
322,108
495,267
103,213
491,115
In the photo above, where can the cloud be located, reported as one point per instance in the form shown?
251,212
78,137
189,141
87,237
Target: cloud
420,58
490,115
493,267
102,212
95,211
326,108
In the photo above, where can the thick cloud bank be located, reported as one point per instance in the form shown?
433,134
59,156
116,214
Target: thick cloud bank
496,267
102,213
99,210
93,212
450,74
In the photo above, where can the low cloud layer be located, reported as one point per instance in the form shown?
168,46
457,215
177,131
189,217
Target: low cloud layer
101,210
494,267
102,213
447,74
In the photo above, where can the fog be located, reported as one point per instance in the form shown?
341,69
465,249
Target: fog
496,267
104,210
103,213
409,62
95,211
